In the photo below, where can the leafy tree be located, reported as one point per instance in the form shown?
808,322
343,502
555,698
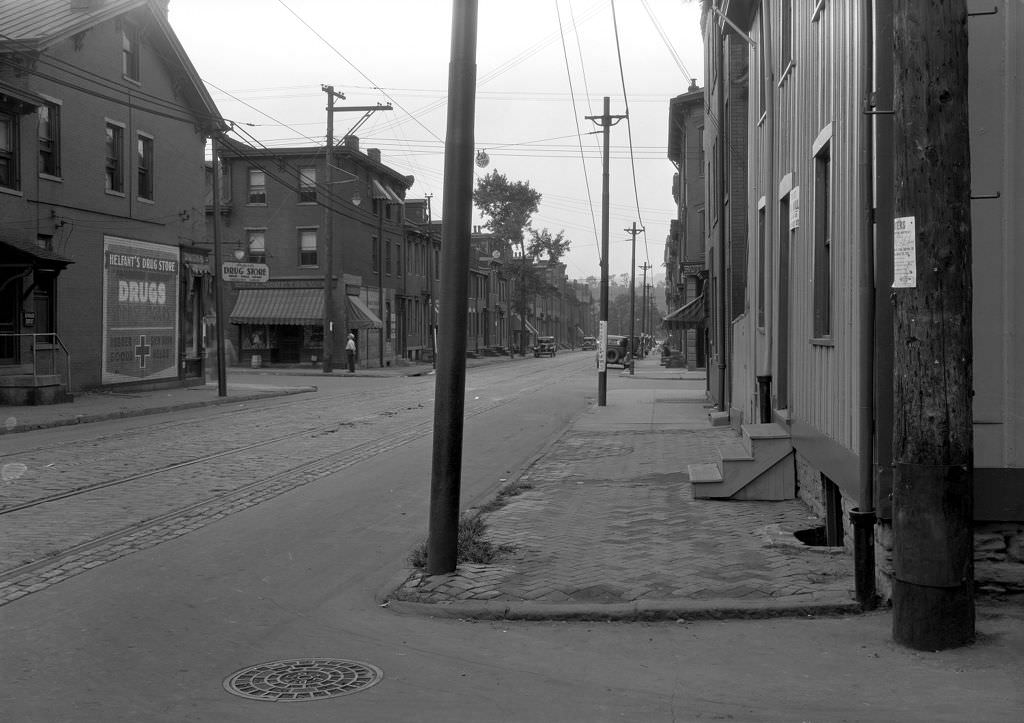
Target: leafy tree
507,206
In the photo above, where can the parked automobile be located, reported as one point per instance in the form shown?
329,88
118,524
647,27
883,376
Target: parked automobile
617,352
545,346
589,343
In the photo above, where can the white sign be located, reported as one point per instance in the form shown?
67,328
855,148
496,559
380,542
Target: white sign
794,208
602,346
904,253
238,271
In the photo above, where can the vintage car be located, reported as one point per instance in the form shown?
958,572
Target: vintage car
589,343
617,352
545,346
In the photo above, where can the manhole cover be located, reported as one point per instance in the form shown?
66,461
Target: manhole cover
303,679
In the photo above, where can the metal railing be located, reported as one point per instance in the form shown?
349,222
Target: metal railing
48,353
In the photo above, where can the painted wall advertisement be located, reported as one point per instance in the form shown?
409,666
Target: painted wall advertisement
140,310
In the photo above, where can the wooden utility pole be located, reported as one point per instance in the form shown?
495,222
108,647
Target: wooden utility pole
457,216
933,591
606,121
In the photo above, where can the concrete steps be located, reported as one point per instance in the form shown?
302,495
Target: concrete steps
758,466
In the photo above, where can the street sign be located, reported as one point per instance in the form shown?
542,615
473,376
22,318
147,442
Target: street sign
238,271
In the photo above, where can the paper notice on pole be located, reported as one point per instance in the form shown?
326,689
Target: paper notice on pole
904,250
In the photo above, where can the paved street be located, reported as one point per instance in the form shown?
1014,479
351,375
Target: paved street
299,556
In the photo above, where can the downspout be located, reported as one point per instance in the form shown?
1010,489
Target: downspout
862,517
764,373
723,404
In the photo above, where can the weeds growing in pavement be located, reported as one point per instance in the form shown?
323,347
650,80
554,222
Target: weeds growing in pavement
471,546
501,499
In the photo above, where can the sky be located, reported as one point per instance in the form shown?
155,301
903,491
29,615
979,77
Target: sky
543,66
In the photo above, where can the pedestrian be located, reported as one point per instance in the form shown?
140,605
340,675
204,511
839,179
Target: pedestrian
350,352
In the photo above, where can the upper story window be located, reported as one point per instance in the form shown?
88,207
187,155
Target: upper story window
115,158
8,150
257,186
130,52
307,247
144,161
786,31
256,245
307,184
49,139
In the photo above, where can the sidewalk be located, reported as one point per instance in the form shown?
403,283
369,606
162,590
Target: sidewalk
608,528
243,384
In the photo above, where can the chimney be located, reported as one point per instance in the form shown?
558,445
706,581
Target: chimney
351,142
374,154
693,84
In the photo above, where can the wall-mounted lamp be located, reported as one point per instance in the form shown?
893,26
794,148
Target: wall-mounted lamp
356,199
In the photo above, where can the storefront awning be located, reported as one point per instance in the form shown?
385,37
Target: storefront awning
288,307
22,253
360,316
690,314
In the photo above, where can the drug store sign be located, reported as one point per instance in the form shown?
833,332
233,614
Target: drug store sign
140,310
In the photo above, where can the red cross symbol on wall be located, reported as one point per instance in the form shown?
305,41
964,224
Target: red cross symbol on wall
142,351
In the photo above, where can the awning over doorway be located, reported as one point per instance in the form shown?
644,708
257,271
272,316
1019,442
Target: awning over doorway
288,307
689,315
30,255
360,316
529,327
384,193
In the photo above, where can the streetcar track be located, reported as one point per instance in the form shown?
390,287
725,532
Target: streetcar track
229,501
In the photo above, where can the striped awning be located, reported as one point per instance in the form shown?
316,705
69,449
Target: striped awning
529,327
287,307
690,314
384,193
360,316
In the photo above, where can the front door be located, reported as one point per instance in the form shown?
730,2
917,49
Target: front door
10,307
289,342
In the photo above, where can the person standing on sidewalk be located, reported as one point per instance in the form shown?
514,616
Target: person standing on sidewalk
350,352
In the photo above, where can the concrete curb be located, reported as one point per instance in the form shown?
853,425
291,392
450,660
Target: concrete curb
143,411
637,611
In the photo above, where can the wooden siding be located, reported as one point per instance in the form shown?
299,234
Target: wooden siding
820,88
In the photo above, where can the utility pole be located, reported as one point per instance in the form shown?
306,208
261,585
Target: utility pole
632,300
431,317
328,333
329,211
450,386
933,590
644,316
218,280
605,121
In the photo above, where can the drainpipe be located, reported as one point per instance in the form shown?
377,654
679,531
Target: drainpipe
770,203
862,517
723,404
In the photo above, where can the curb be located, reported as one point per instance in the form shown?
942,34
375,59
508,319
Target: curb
141,412
637,611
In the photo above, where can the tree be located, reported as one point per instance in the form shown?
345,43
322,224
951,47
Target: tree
542,243
507,206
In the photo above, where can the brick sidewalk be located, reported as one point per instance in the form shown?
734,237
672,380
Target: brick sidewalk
609,529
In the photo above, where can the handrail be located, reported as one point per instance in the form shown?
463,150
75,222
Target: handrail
55,341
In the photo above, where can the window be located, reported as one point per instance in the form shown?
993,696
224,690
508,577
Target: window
49,139
387,258
307,247
257,186
307,185
387,320
398,259
8,150
130,52
822,245
256,245
144,149
761,263
115,158
700,151
375,254
786,51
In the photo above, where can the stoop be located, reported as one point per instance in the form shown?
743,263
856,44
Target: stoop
758,466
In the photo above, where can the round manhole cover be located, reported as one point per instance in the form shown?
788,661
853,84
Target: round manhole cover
303,679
